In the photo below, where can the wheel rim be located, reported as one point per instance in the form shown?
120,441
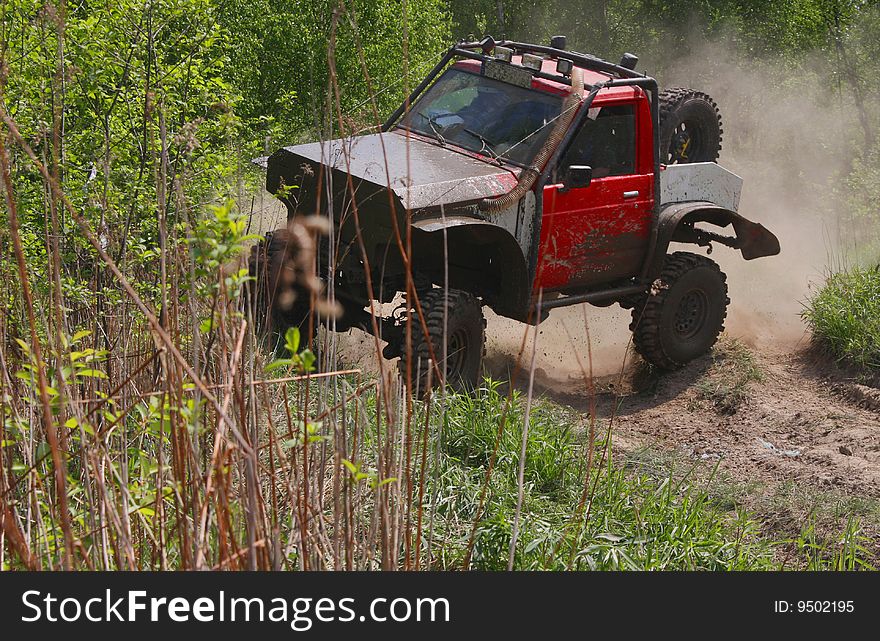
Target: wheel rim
456,354
690,317
688,141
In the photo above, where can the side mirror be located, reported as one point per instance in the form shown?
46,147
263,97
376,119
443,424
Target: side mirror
577,177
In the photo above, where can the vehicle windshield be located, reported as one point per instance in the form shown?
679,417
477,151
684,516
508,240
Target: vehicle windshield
485,115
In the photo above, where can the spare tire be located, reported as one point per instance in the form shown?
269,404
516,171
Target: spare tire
690,127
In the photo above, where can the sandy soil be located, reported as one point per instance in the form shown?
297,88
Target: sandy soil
804,422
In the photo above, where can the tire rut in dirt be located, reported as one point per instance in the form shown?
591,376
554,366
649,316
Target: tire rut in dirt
684,319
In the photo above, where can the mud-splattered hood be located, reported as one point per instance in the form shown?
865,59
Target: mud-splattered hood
422,174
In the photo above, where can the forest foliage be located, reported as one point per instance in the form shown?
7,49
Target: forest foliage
92,84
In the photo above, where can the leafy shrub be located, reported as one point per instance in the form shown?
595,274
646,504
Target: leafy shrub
844,316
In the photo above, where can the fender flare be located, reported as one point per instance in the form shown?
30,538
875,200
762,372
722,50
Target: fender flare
675,224
508,262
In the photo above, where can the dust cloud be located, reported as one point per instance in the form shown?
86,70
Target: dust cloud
785,134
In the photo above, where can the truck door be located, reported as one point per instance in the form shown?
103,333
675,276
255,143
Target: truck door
598,234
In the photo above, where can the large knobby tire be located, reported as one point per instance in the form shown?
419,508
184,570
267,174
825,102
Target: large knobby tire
683,320
275,296
465,341
690,127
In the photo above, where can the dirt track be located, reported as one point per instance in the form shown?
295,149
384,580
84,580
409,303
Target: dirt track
797,424
804,443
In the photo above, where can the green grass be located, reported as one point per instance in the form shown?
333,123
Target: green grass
635,522
657,517
807,528
844,316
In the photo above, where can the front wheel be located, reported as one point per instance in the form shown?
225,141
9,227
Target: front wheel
465,335
275,294
686,315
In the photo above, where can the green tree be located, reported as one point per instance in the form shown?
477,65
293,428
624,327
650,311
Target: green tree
279,56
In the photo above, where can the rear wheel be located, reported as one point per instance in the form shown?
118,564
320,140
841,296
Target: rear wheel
690,127
685,317
465,340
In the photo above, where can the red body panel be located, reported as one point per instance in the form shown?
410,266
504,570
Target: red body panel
599,234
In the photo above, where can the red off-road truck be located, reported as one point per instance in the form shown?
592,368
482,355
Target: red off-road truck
520,177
